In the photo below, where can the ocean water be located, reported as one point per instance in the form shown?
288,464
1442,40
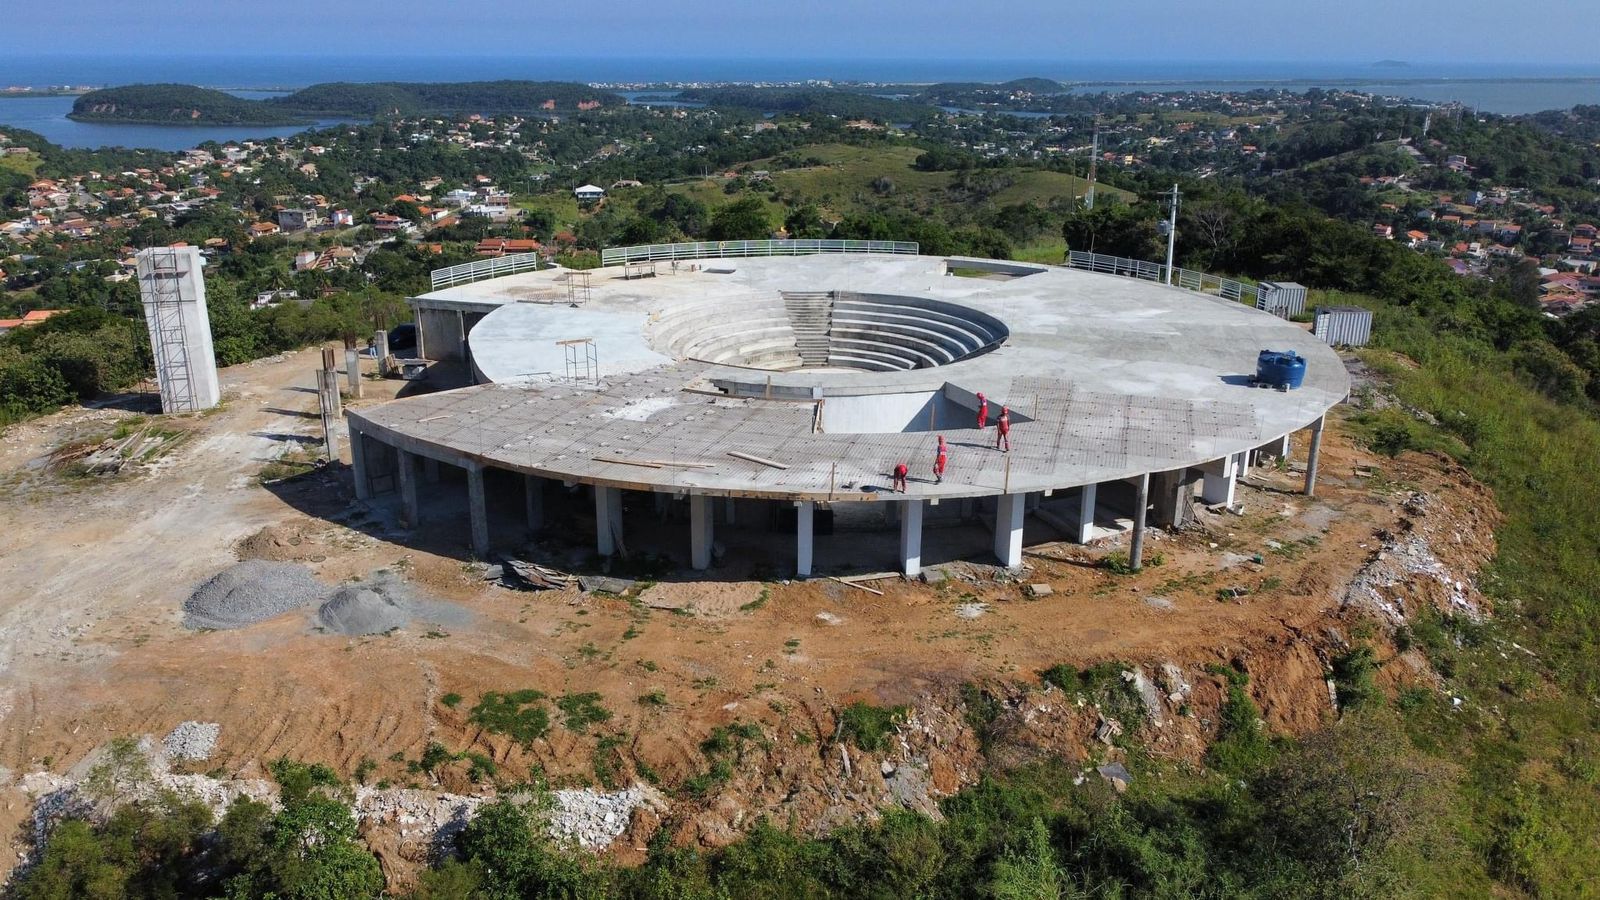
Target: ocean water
1506,89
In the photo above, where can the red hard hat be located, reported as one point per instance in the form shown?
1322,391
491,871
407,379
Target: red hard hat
980,395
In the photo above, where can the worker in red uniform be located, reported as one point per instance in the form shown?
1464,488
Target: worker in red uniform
983,413
900,473
941,456
1002,434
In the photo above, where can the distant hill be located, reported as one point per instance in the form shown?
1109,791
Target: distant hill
394,98
1391,64
1033,86
184,104
174,104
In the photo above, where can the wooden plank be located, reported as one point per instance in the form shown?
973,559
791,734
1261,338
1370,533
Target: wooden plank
870,590
873,576
682,465
625,462
751,457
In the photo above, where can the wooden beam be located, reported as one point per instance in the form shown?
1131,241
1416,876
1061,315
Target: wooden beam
870,590
750,457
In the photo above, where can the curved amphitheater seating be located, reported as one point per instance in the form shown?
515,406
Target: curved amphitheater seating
843,330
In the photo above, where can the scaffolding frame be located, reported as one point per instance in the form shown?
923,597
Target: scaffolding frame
164,303
577,288
583,359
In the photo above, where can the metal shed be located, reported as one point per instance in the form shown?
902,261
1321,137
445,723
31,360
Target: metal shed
1343,326
1284,299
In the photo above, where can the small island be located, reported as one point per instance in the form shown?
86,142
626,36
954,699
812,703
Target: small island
186,104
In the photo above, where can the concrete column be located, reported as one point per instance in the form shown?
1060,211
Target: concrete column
1314,455
352,372
358,464
1008,529
1085,523
533,497
803,537
911,538
430,470
1141,501
607,519
701,521
406,474
1219,482
478,511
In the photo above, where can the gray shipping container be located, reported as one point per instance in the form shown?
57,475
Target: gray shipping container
1343,326
1284,299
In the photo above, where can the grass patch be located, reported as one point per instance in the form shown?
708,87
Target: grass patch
579,711
520,715
868,726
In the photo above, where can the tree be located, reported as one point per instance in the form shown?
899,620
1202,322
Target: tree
742,220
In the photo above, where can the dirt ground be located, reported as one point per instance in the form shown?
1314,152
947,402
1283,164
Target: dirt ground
93,572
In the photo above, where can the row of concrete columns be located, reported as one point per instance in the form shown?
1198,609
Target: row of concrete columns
1220,480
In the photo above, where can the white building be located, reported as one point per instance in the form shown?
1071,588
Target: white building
589,193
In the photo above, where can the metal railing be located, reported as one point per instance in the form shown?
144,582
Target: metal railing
613,256
482,269
1226,288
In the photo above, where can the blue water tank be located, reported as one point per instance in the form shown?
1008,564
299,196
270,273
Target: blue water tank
1282,369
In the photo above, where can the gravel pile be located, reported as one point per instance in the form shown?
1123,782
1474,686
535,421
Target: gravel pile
191,740
381,604
250,592
366,607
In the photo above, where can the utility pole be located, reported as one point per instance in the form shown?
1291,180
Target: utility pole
1172,233
1094,162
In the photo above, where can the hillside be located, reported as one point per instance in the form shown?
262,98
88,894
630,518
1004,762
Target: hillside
184,104
391,98
175,104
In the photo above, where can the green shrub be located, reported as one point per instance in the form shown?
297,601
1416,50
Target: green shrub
868,726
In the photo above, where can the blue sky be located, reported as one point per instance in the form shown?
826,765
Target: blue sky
1490,31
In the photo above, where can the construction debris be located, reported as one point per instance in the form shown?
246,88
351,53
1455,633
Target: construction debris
604,584
109,456
522,575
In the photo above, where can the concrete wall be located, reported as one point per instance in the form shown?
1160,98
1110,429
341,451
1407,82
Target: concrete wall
439,334
888,413
172,289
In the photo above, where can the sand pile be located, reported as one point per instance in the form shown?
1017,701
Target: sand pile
250,592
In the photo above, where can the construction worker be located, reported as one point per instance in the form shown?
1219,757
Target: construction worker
941,456
983,412
901,470
1002,434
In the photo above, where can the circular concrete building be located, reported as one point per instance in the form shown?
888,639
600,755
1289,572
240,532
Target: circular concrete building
777,395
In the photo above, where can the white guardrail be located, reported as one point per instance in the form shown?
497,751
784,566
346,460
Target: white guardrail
494,267
1226,288
614,256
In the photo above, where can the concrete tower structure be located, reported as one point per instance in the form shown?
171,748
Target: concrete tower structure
173,291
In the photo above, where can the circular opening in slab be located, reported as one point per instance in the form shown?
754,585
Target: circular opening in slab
821,331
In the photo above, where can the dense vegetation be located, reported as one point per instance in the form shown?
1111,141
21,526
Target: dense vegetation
189,105
174,104
392,98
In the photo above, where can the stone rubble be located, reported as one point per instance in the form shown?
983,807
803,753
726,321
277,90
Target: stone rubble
191,740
